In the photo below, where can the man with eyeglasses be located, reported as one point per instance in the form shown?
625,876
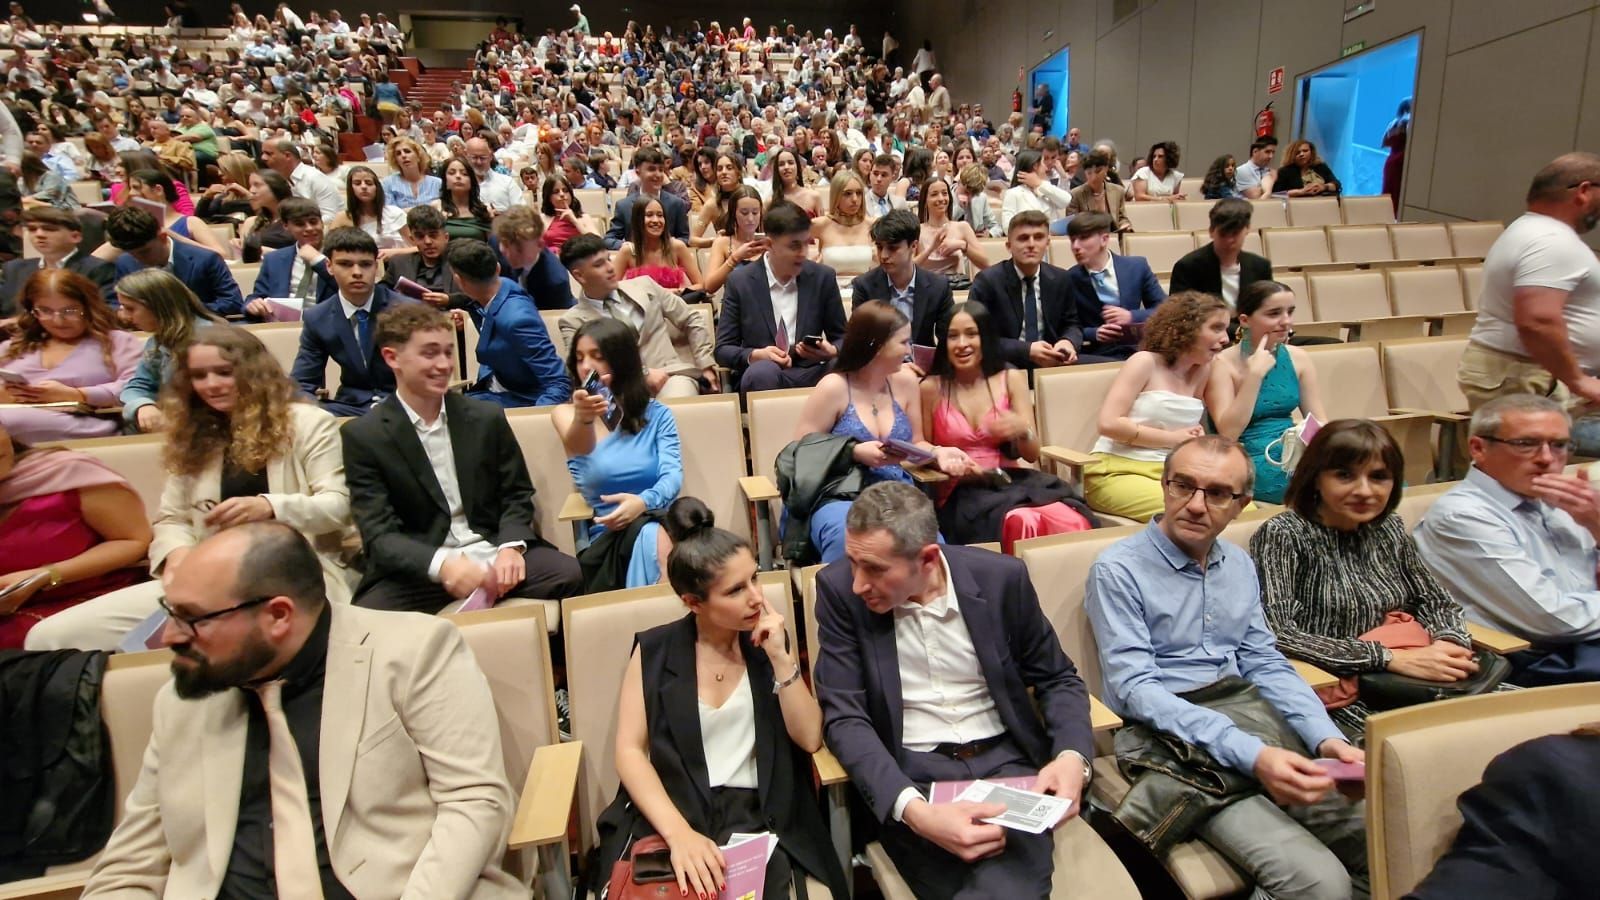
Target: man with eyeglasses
1538,328
1192,667
1514,543
309,749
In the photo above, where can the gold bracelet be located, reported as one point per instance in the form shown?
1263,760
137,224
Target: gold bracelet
55,576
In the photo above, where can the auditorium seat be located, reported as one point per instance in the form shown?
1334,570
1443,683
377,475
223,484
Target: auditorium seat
1269,213
1293,248
1353,382
1471,283
1348,296
1193,214
595,201
1161,250
1314,211
772,417
1425,290
1152,215
1360,243
136,457
1066,401
1378,210
1473,239
1420,376
1421,240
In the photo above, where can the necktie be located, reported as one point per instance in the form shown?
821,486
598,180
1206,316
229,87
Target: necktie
294,845
782,339
1030,311
1103,290
363,321
307,278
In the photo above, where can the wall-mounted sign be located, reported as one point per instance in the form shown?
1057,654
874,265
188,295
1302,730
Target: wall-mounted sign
1353,49
1275,81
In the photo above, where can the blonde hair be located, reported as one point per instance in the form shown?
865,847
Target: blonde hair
417,148
257,430
174,306
237,166
836,188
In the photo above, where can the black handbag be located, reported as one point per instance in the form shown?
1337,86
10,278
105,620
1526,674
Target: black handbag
1386,690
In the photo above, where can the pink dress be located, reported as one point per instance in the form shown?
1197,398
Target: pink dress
42,531
952,429
669,277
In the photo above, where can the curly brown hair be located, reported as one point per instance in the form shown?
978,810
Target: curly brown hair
258,428
98,318
1172,330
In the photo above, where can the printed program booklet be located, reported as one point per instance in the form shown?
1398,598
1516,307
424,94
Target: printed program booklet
1025,810
746,856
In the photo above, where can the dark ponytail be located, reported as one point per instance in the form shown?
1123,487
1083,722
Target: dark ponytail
699,547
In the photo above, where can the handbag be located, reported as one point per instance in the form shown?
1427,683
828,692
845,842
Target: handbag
1291,445
644,874
1387,690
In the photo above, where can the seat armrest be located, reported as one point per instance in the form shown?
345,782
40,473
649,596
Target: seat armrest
546,802
1443,418
1313,675
1066,456
459,385
1101,718
575,509
46,887
925,474
1487,638
829,772
758,488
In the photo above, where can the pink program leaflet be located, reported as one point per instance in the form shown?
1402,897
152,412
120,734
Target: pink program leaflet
1339,770
746,872
948,791
1309,429
908,451
922,356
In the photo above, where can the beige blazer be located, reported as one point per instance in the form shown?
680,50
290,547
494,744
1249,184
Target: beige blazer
414,795
687,353
305,486
1116,202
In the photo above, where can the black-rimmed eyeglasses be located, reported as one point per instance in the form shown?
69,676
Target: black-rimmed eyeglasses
190,624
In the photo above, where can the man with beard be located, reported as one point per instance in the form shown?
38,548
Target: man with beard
307,750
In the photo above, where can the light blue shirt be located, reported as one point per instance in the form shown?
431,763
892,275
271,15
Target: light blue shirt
1514,563
1165,626
648,464
397,191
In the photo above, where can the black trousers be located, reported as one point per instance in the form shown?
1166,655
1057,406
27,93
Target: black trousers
552,575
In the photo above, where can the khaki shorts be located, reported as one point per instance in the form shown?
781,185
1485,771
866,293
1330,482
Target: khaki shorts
1485,374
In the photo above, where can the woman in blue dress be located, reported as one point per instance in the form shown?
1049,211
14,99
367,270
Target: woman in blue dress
627,464
1257,385
872,396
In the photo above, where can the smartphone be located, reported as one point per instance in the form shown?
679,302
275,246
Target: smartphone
597,388
812,339
759,236
12,378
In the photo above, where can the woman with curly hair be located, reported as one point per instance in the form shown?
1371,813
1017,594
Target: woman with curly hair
408,183
1218,184
1159,178
1304,174
1154,404
243,447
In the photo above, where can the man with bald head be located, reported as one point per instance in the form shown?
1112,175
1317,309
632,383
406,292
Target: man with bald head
1538,328
283,157
309,750
497,190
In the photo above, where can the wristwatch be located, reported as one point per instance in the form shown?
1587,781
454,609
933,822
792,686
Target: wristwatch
1088,770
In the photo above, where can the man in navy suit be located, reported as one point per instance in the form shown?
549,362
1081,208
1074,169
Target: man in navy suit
923,296
297,272
1027,299
652,168
145,245
57,235
519,239
927,654
1114,295
341,328
780,321
517,362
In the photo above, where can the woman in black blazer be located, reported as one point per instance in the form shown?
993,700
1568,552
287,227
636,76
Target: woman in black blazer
1304,174
675,737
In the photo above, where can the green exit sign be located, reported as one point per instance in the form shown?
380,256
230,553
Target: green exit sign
1357,47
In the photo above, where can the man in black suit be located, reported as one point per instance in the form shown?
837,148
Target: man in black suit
438,485
923,296
927,654
1222,267
780,321
1027,299
56,234
428,266
651,164
340,328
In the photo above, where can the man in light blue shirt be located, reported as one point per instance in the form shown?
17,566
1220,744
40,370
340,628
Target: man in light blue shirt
1515,542
1174,610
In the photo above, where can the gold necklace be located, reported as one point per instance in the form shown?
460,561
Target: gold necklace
727,665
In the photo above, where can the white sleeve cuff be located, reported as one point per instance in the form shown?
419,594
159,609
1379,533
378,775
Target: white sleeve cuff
437,563
903,801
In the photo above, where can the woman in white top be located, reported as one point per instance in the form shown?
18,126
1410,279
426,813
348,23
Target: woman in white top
1155,404
1031,190
1159,178
944,242
843,236
366,209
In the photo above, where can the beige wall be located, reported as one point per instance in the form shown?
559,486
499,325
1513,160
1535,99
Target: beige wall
1502,87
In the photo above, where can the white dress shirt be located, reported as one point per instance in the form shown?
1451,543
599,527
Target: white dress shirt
785,302
499,191
307,183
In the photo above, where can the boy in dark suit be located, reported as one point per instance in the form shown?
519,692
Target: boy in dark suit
300,271
145,245
56,234
428,266
1222,267
1114,295
1027,299
923,296
341,328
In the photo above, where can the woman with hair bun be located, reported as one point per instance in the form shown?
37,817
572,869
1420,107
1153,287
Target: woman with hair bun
743,726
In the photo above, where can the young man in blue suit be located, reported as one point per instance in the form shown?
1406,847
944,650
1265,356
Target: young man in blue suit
517,362
652,168
769,311
1114,295
519,239
299,272
145,245
341,328
923,296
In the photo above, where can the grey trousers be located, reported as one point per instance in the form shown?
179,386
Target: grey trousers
1316,852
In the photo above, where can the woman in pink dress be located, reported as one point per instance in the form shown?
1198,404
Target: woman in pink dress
972,401
73,529
651,250
68,349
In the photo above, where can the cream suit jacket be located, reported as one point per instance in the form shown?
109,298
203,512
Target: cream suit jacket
689,356
414,795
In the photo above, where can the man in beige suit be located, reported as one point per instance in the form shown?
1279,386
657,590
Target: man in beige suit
304,749
670,370
1097,194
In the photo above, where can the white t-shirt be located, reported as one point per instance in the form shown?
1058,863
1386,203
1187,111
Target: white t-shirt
1160,187
1538,251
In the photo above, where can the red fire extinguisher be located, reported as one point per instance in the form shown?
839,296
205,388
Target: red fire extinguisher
1016,95
1266,122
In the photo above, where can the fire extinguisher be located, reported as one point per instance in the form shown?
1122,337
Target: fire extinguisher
1266,122
1016,99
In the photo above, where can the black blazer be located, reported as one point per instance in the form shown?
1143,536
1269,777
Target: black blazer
677,753
747,323
1201,270
1290,178
395,495
1000,289
406,266
858,672
16,273
931,299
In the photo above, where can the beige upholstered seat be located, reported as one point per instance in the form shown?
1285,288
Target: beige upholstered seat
135,457
1421,240
1193,215
1360,243
1425,290
1348,296
1067,403
282,340
546,460
1152,215
1354,388
1305,211
1377,210
1471,283
1162,250
1420,375
1474,239
1291,248
1269,213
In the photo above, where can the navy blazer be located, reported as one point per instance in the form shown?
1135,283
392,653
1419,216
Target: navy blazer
931,301
17,272
747,323
1138,291
677,219
515,348
276,268
547,282
326,334
203,271
1000,290
858,672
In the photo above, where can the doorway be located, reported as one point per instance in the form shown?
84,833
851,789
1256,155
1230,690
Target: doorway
1052,73
1357,112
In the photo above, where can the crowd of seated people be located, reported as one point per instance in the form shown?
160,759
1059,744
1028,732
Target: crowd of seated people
788,179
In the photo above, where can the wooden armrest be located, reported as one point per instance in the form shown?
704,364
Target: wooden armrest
69,884
1313,675
1487,638
1101,718
547,795
1443,418
575,509
1065,456
829,772
925,474
757,488
460,384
